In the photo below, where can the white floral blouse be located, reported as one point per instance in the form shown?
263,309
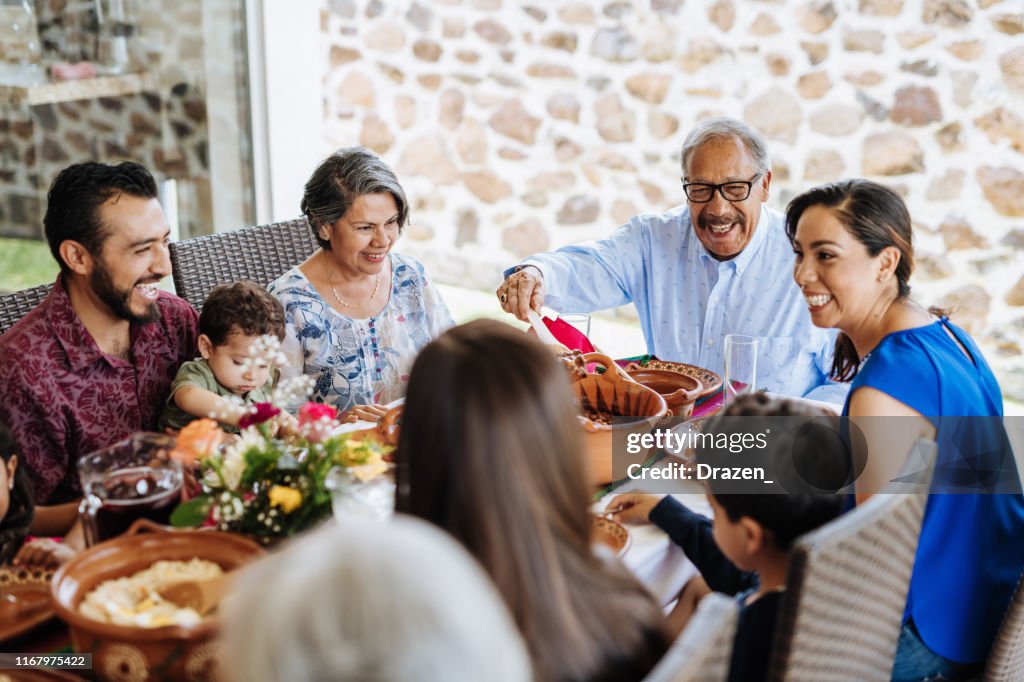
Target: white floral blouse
360,361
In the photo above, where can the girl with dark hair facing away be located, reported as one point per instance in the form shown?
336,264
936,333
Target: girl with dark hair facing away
854,257
16,511
490,450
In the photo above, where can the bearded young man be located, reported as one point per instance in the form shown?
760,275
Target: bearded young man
718,264
93,362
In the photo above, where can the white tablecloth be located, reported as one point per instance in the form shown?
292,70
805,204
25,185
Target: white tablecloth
652,556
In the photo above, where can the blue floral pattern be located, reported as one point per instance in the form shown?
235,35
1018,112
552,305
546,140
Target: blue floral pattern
360,361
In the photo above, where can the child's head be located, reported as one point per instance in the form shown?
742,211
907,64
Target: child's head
748,525
15,490
233,319
8,468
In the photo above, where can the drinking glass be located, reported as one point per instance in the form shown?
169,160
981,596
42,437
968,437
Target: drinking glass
352,497
740,365
581,321
131,479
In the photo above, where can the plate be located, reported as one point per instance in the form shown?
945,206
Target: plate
712,382
24,600
610,533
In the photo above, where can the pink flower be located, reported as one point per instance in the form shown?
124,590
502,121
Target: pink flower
314,412
261,412
317,420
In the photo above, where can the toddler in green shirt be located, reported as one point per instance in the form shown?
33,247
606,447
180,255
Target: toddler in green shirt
231,376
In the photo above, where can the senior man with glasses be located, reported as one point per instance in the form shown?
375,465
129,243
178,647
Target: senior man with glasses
719,264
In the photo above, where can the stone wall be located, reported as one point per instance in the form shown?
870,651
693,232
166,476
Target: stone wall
522,126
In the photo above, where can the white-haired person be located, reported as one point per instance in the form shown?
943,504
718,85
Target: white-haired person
709,267
391,601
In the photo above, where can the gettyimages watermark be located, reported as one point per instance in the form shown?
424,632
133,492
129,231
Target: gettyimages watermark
820,454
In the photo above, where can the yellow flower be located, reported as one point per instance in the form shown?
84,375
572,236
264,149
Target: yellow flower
369,471
288,499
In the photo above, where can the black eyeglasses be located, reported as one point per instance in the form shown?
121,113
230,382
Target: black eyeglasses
702,193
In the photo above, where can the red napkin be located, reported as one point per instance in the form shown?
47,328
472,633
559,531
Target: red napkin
568,335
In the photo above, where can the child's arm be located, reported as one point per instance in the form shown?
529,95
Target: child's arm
44,553
695,590
200,402
692,532
287,425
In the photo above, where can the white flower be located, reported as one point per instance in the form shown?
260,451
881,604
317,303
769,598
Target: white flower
233,510
293,390
234,456
265,351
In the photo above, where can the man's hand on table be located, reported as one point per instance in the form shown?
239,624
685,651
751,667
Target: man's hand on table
633,507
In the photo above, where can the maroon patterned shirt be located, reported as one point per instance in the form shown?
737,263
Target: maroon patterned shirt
63,397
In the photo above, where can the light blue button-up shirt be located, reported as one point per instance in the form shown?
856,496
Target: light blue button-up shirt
688,301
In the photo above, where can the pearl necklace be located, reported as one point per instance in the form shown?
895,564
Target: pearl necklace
362,306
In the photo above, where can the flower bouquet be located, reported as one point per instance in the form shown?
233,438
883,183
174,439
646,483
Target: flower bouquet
268,487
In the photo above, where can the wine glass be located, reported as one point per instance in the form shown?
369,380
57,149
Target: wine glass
581,321
740,365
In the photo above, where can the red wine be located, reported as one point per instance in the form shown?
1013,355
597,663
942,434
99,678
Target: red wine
133,493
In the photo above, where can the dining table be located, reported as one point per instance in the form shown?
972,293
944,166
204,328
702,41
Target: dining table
651,556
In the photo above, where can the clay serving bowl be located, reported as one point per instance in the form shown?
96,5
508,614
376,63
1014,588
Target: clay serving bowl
613,406
611,534
679,390
122,652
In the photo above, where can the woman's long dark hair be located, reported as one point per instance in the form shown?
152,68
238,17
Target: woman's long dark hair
876,217
491,451
14,526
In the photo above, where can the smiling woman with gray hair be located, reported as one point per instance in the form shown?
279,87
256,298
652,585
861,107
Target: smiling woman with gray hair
357,313
399,601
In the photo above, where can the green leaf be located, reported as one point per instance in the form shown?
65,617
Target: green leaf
192,513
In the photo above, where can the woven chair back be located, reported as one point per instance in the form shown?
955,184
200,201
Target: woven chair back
703,650
15,306
847,585
1006,660
261,254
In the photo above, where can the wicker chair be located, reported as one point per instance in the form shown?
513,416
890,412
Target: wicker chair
704,649
15,306
261,254
1006,660
847,585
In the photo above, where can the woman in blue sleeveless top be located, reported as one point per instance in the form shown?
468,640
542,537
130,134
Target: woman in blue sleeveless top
854,258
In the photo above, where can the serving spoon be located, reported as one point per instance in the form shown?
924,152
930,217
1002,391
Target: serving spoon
199,595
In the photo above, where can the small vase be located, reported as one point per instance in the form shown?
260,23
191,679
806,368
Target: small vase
353,497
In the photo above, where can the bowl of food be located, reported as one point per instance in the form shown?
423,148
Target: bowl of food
613,406
108,596
608,532
679,390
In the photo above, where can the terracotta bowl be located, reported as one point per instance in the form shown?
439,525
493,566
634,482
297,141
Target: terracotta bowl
390,424
123,652
610,533
613,394
679,391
